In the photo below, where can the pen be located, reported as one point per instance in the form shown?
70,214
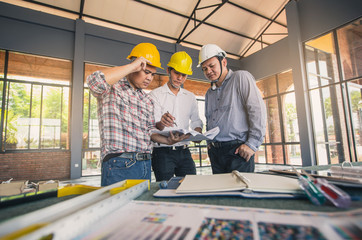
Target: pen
173,121
335,195
241,177
314,195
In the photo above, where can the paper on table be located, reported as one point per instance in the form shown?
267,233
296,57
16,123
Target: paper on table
228,182
195,136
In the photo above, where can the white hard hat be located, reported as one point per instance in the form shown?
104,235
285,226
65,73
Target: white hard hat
208,51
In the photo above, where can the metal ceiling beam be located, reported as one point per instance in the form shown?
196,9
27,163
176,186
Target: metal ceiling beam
81,15
205,23
188,20
261,34
81,8
255,13
207,17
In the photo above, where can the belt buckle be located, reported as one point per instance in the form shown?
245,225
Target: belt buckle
173,148
141,156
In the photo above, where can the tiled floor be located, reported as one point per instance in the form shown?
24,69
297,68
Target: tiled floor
96,180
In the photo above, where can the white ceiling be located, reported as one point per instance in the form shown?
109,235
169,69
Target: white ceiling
240,27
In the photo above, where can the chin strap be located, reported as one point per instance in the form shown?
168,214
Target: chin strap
213,83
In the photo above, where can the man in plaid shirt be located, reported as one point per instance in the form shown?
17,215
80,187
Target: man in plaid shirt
125,115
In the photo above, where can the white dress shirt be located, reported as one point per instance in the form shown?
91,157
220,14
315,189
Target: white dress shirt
182,106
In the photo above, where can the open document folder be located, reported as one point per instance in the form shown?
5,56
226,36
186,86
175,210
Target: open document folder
230,182
194,136
254,185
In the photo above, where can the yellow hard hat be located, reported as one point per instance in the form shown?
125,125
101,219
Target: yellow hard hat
181,62
148,51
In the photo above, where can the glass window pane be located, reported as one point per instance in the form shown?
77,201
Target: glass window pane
64,137
40,69
310,58
275,154
51,117
85,118
267,86
325,66
273,120
321,61
94,138
350,48
35,117
260,155
2,63
17,119
285,82
39,108
293,155
329,125
355,99
290,118
91,164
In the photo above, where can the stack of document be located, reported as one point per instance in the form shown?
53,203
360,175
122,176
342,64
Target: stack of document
254,185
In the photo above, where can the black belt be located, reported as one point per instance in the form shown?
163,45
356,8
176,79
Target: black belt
173,147
130,155
224,144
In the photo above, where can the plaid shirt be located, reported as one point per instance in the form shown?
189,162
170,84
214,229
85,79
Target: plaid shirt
125,116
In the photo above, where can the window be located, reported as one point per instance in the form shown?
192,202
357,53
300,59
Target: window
35,102
334,69
281,144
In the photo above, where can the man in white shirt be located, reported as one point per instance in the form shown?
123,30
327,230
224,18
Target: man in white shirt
175,108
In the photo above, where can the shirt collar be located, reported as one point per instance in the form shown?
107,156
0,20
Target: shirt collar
166,89
130,88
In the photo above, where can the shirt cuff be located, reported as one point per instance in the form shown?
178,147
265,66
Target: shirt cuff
253,144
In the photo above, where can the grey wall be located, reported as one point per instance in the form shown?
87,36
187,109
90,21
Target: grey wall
316,17
321,16
271,60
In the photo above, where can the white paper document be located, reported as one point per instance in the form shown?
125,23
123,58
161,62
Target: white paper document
194,135
168,220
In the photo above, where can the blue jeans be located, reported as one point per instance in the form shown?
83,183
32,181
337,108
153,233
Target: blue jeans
224,160
118,169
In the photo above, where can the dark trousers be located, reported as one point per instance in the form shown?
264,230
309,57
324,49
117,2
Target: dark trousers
224,160
167,162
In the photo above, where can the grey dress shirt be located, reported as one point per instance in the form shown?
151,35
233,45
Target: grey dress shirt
238,109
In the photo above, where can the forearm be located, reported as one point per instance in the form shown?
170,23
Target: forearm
160,138
113,75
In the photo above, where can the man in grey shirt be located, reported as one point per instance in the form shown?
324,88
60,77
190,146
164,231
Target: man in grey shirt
234,104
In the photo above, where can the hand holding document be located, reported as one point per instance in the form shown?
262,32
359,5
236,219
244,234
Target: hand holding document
194,135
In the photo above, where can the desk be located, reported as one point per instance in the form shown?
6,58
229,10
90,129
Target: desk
286,204
277,204
283,204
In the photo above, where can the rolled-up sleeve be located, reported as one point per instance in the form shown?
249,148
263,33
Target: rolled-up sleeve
97,84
